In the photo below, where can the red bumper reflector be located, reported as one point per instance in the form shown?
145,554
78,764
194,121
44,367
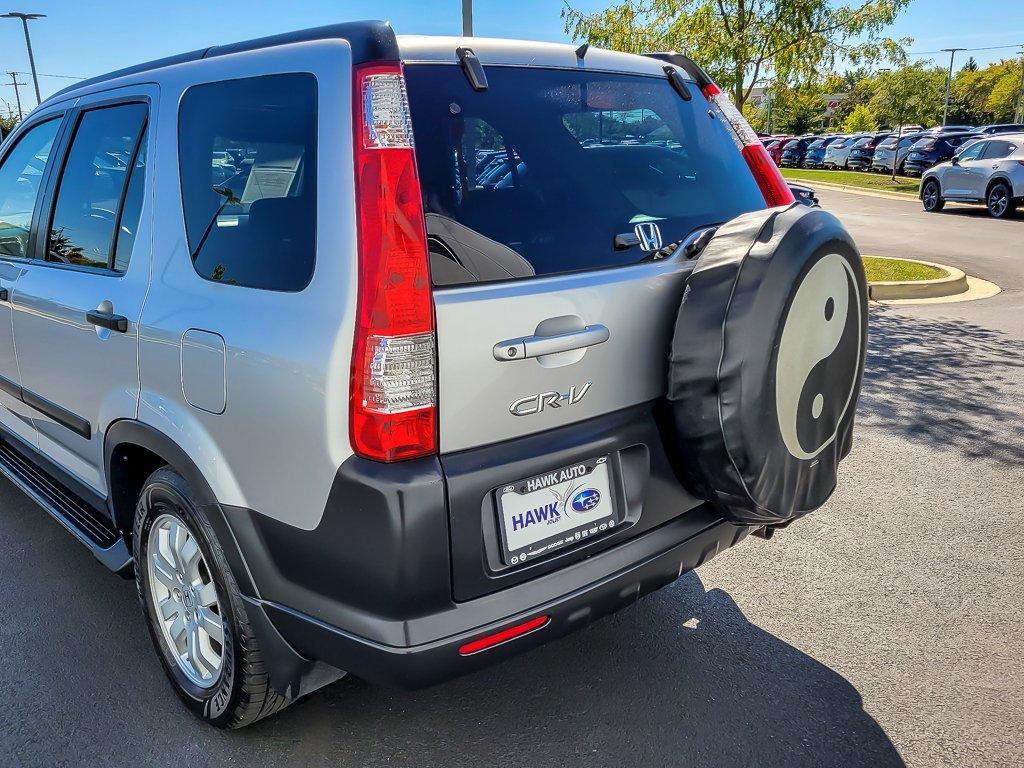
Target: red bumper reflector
489,641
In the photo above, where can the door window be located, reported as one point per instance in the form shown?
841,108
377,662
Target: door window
247,150
973,152
92,185
21,175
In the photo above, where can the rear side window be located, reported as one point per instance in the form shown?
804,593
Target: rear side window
20,178
539,173
247,150
997,150
92,183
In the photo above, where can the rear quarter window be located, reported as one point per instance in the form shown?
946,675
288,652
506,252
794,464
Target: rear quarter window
247,151
538,174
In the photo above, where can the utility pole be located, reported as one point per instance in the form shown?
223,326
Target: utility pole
25,19
467,18
17,93
1018,113
949,80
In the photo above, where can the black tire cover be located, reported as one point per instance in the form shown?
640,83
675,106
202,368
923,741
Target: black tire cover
766,364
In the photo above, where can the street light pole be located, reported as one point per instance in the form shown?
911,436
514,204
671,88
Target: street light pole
467,18
949,80
25,19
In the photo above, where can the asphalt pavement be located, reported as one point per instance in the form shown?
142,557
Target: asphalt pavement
883,630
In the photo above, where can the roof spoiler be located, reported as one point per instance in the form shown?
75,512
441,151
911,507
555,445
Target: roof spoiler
685,63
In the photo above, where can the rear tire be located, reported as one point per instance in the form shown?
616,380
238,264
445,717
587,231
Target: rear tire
194,610
931,196
999,201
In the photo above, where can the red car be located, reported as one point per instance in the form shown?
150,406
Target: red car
774,146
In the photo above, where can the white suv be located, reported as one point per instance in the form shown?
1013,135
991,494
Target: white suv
989,171
345,399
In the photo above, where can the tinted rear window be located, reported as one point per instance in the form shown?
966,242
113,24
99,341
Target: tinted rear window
539,173
248,180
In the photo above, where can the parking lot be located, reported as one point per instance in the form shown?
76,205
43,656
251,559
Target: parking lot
883,630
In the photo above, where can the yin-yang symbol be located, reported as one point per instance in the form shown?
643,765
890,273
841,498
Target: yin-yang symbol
818,357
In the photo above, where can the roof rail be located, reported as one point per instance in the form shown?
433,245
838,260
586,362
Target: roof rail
370,41
685,63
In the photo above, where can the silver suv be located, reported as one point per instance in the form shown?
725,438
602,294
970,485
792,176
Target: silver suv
340,398
989,171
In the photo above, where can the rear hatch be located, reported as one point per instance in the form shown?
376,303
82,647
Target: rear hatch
551,199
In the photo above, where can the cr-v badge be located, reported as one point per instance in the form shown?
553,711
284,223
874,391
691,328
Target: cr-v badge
526,406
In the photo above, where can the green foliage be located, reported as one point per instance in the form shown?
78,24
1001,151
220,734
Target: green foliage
860,120
738,41
986,95
912,94
7,124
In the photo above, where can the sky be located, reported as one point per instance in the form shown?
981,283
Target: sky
82,38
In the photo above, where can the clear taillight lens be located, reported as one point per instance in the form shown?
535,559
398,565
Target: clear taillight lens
769,180
393,409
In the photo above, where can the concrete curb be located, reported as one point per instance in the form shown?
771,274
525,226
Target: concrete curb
906,196
953,284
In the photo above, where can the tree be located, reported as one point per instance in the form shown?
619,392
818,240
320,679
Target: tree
738,41
910,95
860,121
970,66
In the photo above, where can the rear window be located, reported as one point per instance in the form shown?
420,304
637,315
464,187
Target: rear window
248,180
541,172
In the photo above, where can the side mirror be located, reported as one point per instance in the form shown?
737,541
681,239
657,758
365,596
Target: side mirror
955,160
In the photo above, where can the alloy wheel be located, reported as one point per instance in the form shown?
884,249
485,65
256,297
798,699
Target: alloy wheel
184,600
931,195
998,200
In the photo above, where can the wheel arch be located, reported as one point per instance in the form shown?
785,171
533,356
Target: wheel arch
927,177
995,180
132,451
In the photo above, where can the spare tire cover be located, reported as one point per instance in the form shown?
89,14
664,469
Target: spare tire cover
766,364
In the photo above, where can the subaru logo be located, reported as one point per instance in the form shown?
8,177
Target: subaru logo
586,500
649,235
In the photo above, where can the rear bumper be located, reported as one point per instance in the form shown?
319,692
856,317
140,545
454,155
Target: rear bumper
400,573
648,563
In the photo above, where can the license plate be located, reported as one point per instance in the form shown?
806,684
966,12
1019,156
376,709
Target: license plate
555,510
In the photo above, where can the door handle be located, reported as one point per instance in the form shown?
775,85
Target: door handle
5,295
109,320
536,346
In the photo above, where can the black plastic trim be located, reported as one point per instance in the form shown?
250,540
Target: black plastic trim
647,564
61,415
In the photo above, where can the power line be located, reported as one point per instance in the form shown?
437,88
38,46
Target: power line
43,74
946,50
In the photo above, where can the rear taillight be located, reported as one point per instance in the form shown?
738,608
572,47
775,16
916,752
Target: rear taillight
393,413
770,181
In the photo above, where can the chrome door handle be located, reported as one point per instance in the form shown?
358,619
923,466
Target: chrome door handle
535,346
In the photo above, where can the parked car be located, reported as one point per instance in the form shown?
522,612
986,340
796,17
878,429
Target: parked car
932,149
989,130
863,151
793,151
804,194
815,153
951,129
774,148
894,149
352,404
837,154
990,172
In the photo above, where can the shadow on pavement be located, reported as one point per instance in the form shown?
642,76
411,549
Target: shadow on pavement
946,382
648,687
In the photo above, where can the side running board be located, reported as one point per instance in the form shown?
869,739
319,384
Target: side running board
85,523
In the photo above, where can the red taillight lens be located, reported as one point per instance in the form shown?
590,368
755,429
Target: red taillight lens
393,413
511,633
764,170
